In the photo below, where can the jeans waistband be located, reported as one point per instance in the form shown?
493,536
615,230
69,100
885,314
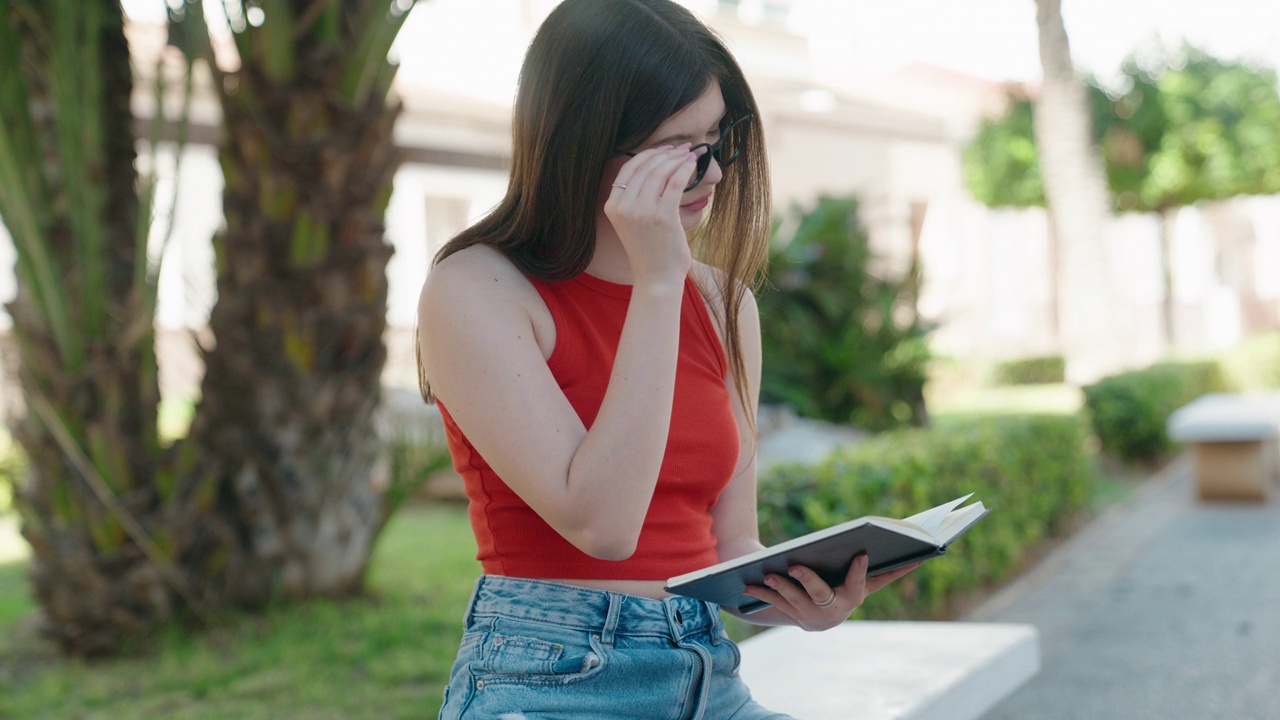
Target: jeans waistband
591,610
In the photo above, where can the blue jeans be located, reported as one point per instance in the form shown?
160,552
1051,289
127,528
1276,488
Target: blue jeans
537,650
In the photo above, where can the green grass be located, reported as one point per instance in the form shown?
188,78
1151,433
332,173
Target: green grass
961,401
384,656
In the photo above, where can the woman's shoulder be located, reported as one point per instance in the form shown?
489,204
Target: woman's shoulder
477,275
473,261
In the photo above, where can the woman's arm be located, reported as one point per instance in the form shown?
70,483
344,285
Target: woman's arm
813,604
481,355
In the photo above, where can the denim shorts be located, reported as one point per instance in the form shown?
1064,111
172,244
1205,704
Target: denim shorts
538,650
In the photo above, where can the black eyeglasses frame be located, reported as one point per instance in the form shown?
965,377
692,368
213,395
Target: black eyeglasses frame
713,150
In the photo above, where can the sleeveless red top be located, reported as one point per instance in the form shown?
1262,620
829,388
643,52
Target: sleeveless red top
701,454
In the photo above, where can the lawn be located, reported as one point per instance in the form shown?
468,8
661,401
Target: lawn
960,400
385,656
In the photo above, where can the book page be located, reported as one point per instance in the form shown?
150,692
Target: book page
933,519
958,521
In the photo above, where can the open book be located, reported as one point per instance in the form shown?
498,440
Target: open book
888,543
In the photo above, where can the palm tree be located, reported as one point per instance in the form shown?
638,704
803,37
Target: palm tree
113,531
1076,191
284,423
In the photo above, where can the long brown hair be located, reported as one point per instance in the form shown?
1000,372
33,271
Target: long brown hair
601,75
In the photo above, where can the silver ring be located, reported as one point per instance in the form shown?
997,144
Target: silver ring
620,186
830,601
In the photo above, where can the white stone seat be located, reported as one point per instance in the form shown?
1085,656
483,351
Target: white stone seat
869,670
1235,443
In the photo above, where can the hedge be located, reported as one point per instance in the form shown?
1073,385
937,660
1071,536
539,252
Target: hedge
1033,471
1129,410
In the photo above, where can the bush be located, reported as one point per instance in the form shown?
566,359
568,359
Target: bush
1033,471
1046,370
1129,410
840,343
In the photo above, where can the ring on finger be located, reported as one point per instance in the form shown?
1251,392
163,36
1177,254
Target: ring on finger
828,602
620,186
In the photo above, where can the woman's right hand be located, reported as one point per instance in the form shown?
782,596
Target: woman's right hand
644,208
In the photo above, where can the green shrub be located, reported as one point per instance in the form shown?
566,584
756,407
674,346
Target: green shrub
1045,370
1033,471
413,460
841,343
1129,410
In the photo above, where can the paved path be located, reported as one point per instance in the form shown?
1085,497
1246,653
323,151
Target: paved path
1164,608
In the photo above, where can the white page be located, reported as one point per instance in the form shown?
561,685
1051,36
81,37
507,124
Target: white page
931,520
956,522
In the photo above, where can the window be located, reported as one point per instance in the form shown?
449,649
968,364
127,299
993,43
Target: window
758,12
446,216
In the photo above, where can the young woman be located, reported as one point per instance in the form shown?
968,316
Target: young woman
598,384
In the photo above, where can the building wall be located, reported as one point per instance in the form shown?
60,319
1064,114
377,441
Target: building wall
987,272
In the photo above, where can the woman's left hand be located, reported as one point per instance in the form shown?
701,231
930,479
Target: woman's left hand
815,605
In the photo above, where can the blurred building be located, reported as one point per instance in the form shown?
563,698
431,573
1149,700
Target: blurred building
893,141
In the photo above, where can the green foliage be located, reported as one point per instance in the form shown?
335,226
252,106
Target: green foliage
412,462
1001,163
386,656
841,343
1129,410
1192,127
1184,128
1032,470
1047,370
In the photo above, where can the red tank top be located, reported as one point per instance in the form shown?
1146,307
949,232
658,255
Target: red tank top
701,454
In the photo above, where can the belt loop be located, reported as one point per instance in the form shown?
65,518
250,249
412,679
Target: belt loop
717,622
471,604
611,619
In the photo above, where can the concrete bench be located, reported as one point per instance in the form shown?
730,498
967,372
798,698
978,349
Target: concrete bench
1235,443
866,670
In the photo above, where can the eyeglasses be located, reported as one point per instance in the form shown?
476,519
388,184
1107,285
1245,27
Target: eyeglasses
718,149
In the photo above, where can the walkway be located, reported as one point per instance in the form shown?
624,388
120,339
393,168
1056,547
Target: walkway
1164,608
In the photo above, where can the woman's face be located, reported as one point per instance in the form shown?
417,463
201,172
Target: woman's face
697,123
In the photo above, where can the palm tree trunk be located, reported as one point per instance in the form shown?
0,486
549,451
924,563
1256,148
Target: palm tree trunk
285,419
105,527
1076,190
1169,301
1055,281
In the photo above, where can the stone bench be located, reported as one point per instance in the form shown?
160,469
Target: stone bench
867,670
1235,443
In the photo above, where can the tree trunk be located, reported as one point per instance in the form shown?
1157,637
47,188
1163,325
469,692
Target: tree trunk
108,529
1075,187
1055,282
285,419
1169,301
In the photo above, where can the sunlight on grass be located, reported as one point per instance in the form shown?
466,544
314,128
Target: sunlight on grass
1013,399
13,547
386,655
173,418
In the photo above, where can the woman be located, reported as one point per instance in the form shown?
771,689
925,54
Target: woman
599,386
